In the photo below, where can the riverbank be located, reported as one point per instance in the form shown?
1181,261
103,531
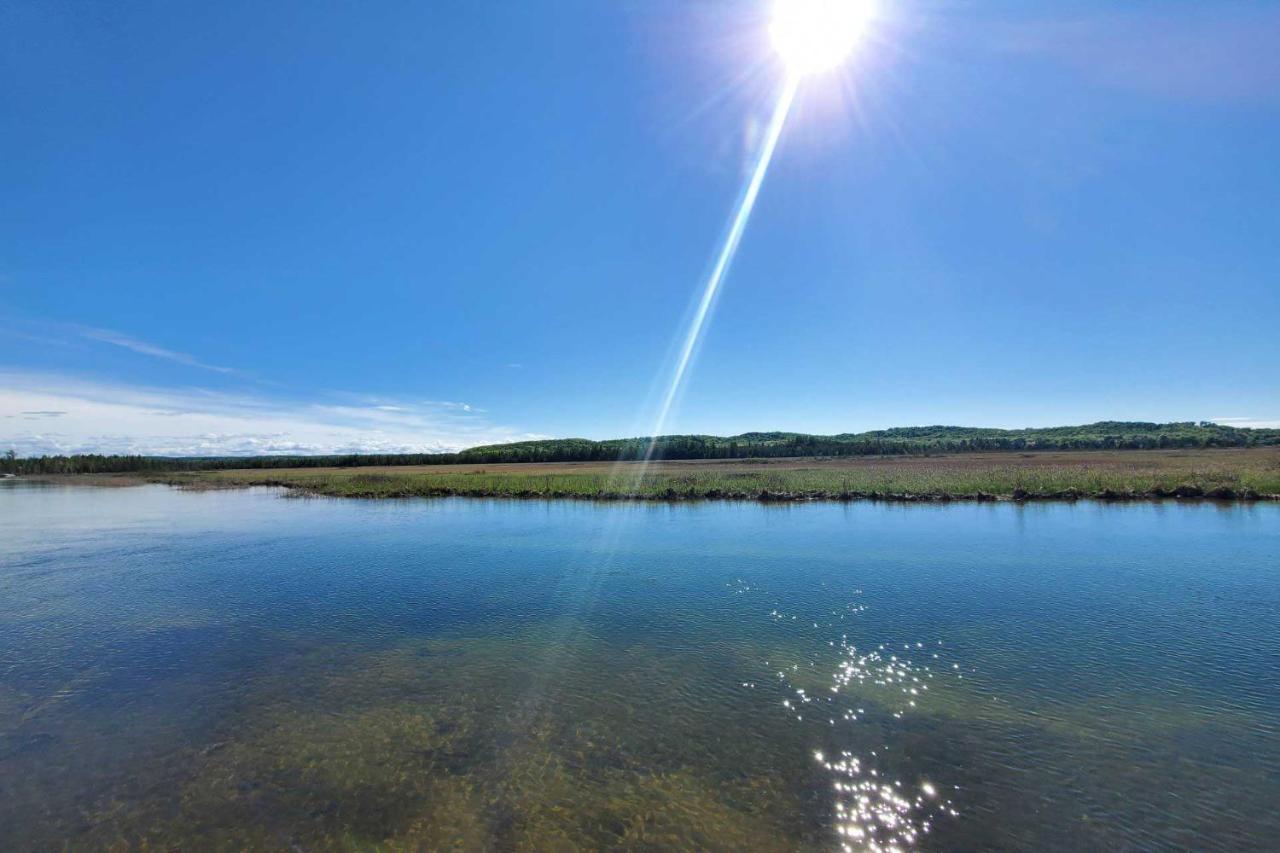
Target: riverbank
1234,474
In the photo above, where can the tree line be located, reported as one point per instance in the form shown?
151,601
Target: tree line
1105,435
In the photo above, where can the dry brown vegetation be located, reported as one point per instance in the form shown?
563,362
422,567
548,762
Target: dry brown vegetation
1228,474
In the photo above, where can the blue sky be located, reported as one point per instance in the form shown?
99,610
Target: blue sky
247,227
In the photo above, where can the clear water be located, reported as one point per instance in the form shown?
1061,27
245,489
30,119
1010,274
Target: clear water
236,669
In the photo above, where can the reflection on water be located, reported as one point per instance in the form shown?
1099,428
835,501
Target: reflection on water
232,670
871,810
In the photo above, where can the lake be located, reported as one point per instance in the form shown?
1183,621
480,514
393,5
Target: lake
234,669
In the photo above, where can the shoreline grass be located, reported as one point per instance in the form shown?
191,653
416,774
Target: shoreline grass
1242,475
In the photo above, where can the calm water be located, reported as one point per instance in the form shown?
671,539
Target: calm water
235,669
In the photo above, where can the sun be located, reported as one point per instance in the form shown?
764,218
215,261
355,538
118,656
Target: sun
817,35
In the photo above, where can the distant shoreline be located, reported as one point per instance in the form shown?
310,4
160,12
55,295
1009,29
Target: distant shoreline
1232,475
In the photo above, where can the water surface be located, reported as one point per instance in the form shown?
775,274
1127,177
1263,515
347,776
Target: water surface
237,669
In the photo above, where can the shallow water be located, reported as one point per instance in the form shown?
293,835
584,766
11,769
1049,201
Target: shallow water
235,669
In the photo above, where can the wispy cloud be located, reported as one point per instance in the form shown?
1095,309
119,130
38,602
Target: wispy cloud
44,340
1210,51
104,417
107,336
1248,423
450,405
382,403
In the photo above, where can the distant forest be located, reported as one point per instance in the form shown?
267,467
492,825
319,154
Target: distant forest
1105,435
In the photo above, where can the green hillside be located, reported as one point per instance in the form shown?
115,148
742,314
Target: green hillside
1104,435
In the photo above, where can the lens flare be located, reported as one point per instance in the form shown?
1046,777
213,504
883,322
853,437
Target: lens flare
810,36
738,224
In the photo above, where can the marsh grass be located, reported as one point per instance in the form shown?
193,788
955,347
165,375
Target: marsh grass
1224,475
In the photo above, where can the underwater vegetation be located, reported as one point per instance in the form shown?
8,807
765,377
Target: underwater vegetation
228,670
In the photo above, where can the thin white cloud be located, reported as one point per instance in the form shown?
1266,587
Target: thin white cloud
1247,423
102,417
379,403
107,336
1199,51
43,340
450,405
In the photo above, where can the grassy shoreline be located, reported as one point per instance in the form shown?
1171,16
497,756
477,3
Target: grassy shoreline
1225,475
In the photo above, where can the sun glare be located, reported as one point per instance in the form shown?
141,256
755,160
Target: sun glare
816,35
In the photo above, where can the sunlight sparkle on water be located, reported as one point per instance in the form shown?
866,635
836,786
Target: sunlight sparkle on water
871,810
